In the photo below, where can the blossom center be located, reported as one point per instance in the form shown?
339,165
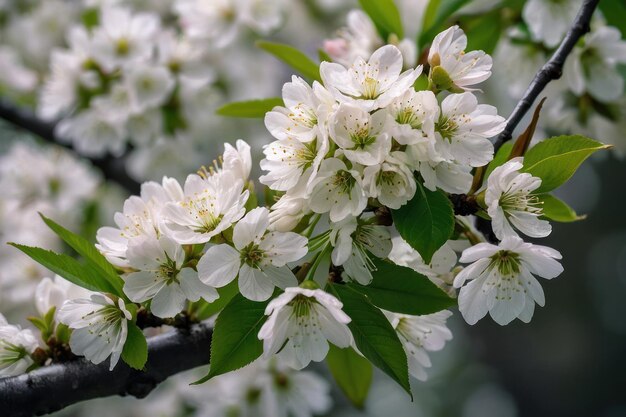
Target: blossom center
252,255
344,181
370,88
507,263
446,127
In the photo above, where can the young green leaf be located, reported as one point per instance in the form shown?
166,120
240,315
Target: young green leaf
426,222
135,352
252,109
352,372
555,160
292,57
89,252
374,336
85,276
557,210
235,336
402,290
483,31
385,16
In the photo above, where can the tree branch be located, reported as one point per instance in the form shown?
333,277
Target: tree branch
54,387
552,70
112,168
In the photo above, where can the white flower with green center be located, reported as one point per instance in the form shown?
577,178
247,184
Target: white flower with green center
411,117
352,244
420,335
338,191
593,68
123,37
290,161
391,182
373,84
211,205
299,118
451,67
361,136
148,86
162,277
463,129
99,327
259,258
301,323
16,347
511,203
503,281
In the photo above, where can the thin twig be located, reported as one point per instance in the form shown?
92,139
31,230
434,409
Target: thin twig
112,168
55,387
552,70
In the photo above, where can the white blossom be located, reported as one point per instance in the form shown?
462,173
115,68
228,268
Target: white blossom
593,68
99,327
54,292
352,242
361,136
549,20
371,84
503,281
420,335
16,346
392,182
463,129
511,203
451,65
162,277
210,206
149,86
301,323
258,257
338,191
123,37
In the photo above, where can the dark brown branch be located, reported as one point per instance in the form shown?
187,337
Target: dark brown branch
552,70
112,168
57,386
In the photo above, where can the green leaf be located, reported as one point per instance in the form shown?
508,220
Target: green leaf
555,160
135,352
385,16
235,343
250,109
226,294
557,210
89,252
402,290
85,276
500,158
614,11
374,336
426,222
292,57
352,372
437,12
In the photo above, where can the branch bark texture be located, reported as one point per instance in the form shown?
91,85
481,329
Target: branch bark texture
551,70
54,387
112,168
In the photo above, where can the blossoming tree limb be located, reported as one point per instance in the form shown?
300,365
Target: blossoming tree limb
351,254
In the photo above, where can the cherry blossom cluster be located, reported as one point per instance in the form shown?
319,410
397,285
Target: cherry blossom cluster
347,149
127,77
